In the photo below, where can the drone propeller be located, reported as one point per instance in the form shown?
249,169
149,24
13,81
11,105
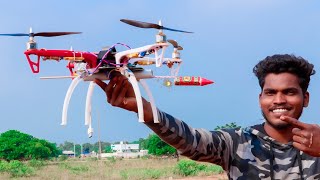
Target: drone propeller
44,34
175,44
149,25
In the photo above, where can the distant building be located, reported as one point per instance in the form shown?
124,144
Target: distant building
68,153
125,147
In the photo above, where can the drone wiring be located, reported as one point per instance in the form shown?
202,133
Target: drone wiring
107,61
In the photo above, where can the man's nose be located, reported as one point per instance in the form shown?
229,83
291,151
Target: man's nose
279,98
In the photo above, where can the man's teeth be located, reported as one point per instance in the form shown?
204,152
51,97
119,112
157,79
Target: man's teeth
279,110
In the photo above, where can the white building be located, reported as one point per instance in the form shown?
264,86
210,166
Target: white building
68,153
122,147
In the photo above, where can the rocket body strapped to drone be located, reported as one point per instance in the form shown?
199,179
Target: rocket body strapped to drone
191,81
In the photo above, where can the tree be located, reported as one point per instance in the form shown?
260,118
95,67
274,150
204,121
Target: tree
104,145
15,145
42,149
108,149
228,126
87,148
158,147
67,146
141,142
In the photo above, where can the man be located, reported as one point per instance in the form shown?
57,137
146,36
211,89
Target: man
280,148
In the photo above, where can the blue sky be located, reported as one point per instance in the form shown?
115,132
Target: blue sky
230,38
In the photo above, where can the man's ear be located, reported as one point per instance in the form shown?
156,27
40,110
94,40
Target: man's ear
259,99
306,99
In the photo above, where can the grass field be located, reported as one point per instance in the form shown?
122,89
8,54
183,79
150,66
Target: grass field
112,168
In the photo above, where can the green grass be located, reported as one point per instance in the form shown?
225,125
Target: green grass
110,168
16,169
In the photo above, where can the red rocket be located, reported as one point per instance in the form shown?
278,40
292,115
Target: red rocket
191,81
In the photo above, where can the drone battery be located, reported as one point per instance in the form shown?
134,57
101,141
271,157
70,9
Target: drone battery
143,74
109,56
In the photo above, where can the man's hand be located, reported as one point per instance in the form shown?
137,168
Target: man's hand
306,137
120,93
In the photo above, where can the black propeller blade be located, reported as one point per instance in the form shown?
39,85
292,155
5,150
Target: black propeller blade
51,34
149,25
16,34
175,44
44,34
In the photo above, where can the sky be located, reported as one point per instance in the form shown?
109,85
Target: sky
230,38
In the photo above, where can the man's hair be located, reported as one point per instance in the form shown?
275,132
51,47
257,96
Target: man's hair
285,63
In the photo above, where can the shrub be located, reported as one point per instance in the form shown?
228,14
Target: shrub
18,169
112,159
153,173
190,168
145,156
37,163
4,166
74,169
213,169
124,174
62,158
92,159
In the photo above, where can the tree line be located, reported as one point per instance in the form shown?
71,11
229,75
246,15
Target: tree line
15,145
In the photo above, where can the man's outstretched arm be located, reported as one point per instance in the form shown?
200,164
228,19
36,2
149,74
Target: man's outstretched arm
197,144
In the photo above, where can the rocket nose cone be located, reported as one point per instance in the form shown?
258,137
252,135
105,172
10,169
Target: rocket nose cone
205,81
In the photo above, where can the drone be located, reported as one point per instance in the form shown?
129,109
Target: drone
87,66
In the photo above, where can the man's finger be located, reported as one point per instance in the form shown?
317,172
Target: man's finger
302,133
300,140
119,101
109,89
116,89
299,146
113,74
102,84
294,122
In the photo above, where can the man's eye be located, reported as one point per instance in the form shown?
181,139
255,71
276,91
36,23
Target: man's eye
268,93
291,93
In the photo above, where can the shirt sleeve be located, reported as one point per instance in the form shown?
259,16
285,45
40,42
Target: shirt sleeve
197,144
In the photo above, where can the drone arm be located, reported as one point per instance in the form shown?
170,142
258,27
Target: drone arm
143,74
143,61
159,57
67,98
151,99
88,57
175,71
154,47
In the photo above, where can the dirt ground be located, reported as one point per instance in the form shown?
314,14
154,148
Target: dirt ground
213,177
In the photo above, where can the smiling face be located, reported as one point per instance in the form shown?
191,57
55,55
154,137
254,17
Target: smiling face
282,95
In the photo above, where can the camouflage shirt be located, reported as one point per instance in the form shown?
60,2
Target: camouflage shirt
244,153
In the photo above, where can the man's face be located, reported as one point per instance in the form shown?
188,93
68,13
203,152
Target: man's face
282,95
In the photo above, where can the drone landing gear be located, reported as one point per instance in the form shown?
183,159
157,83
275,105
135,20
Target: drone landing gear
151,99
130,75
134,76
71,88
34,65
88,119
